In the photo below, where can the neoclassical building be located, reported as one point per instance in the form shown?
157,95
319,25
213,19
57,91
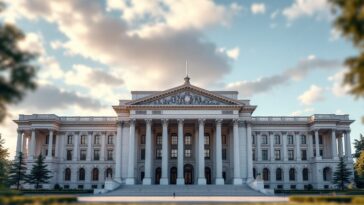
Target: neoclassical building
187,135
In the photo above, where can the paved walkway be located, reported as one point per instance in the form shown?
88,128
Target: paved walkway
182,199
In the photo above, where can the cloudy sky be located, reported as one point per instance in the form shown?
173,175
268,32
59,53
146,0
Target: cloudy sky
283,55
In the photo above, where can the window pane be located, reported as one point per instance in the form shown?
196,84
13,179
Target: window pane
174,140
187,140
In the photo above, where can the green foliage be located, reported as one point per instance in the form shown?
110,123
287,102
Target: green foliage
358,145
39,174
359,171
17,172
350,22
4,162
342,174
17,73
45,200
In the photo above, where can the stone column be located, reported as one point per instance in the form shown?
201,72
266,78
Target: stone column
24,147
258,150
340,144
250,152
271,146
57,145
201,152
347,145
180,178
117,146
75,146
237,178
32,146
284,146
19,142
148,153
310,146
218,149
334,145
89,147
50,145
317,145
164,178
119,127
131,177
298,148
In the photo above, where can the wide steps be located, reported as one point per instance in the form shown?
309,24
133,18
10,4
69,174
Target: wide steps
184,190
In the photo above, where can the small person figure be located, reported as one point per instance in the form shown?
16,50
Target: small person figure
174,194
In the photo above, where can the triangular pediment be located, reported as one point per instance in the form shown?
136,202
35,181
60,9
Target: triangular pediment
185,95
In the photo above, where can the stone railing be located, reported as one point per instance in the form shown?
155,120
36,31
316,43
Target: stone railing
329,117
67,119
280,118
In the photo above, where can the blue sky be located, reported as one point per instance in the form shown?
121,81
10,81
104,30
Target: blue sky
283,55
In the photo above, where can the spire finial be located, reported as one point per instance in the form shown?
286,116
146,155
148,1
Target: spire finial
187,79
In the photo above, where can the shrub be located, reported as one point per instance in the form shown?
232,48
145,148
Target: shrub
44,200
318,199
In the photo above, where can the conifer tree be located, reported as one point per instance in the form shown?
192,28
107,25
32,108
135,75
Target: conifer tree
342,174
39,173
17,172
4,162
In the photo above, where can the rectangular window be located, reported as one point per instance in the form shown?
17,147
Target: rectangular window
142,154
174,140
224,154
187,139
224,140
264,139
69,139
207,153
110,139
83,139
253,139
97,139
321,152
253,155
277,139
304,154
96,154
47,139
277,154
207,140
264,154
159,139
188,153
158,154
173,153
142,139
320,139
82,154
110,154
290,155
290,139
303,139
69,154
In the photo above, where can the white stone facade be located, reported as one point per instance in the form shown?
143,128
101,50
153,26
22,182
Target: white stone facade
187,135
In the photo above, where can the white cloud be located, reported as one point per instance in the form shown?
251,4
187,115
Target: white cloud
334,34
32,43
338,88
258,8
274,14
312,95
302,8
306,111
233,53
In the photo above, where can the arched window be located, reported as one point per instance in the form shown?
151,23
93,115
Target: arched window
81,174
305,174
292,174
254,173
279,174
108,173
95,174
327,174
266,174
67,174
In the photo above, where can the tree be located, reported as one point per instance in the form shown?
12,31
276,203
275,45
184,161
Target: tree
17,172
342,174
359,146
39,173
4,162
359,171
17,74
350,22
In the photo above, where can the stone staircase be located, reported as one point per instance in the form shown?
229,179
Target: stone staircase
184,190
